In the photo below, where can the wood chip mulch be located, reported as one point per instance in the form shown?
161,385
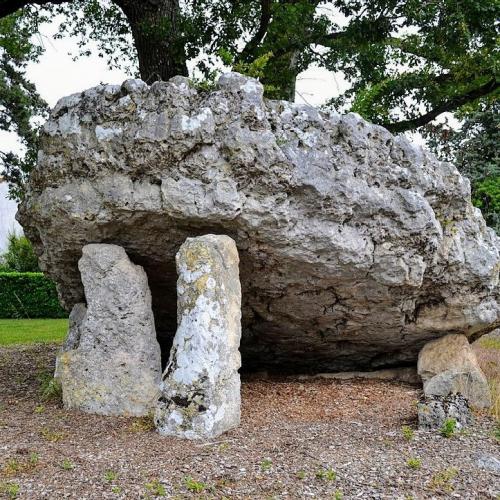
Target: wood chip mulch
297,439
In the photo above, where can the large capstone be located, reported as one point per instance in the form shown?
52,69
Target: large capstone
356,246
110,363
200,393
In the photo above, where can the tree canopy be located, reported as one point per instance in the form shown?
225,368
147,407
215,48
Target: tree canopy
407,61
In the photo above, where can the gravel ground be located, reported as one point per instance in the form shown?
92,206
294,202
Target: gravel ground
298,439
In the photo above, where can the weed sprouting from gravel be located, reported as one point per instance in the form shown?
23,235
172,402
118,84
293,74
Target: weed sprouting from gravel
443,479
448,428
156,488
39,409
326,474
110,475
193,485
9,489
266,464
51,435
143,424
414,463
67,464
50,388
407,432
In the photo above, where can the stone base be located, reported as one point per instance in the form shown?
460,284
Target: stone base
434,410
449,366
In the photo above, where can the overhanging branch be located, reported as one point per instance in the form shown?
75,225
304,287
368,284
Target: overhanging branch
450,105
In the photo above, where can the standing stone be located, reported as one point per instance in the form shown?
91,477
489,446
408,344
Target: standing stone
111,363
201,384
449,366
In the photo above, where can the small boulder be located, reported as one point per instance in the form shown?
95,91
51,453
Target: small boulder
433,411
201,384
110,363
448,365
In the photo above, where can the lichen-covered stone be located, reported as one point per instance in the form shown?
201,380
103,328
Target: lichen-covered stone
200,392
434,411
110,363
449,366
356,246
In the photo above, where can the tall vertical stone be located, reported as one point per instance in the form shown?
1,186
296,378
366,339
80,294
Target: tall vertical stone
111,363
200,392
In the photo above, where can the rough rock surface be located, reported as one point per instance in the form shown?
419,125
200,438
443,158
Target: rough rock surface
356,247
110,363
200,392
449,366
433,411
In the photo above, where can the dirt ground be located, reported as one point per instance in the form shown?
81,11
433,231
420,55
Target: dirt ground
297,439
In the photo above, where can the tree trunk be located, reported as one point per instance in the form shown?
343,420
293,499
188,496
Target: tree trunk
157,37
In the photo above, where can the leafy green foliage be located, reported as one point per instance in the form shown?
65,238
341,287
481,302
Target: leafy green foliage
50,388
156,488
448,428
474,150
20,103
194,486
414,463
407,432
19,256
28,295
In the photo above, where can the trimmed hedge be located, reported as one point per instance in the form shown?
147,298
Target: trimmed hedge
29,295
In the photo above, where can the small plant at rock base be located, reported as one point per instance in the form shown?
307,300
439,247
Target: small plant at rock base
156,488
442,479
66,464
266,464
193,485
414,463
110,475
337,495
407,432
326,474
143,424
9,490
39,409
301,474
116,489
50,388
448,428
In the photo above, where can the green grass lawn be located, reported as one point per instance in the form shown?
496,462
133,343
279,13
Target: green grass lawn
26,331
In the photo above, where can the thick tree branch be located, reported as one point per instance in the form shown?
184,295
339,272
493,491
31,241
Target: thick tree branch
265,18
450,105
8,7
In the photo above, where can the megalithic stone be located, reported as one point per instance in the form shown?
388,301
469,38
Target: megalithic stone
111,362
200,392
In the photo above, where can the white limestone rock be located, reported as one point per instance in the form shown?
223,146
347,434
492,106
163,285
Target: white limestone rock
200,392
449,366
110,363
356,246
